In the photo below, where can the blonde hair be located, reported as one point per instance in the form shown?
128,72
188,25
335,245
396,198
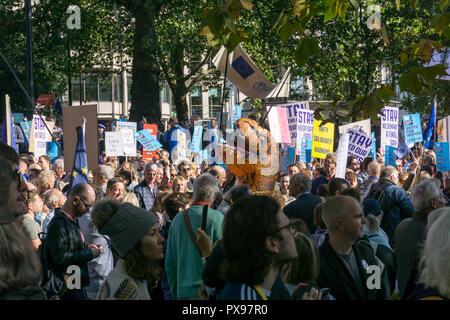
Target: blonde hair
46,180
130,197
435,256
194,167
179,179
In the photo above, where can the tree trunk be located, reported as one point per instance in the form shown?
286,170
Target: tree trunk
145,90
179,99
178,87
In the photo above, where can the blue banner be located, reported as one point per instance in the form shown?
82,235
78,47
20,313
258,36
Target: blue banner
80,169
236,114
402,150
196,139
18,117
288,157
26,128
389,157
442,156
147,140
305,150
52,151
413,128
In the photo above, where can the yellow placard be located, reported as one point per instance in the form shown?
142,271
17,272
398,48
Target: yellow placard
323,139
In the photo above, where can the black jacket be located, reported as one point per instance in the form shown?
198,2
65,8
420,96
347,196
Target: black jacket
335,275
67,247
303,208
408,241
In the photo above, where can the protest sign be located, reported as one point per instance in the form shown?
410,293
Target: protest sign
38,135
236,114
197,139
18,134
148,155
442,156
26,128
127,131
52,151
443,130
406,166
51,126
279,127
342,153
389,128
323,137
113,144
17,117
360,144
147,140
305,150
374,147
389,157
363,125
402,150
300,122
288,157
413,128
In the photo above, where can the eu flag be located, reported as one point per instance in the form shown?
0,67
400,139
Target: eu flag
430,126
79,172
8,136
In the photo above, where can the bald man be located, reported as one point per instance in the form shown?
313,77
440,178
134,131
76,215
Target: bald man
65,240
345,258
219,174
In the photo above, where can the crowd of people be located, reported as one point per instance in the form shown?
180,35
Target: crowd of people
164,231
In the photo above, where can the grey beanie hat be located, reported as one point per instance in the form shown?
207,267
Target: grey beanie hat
127,227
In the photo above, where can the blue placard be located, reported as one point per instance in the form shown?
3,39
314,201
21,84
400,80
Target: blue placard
26,128
402,150
374,147
236,114
147,140
442,156
52,151
413,128
305,150
196,139
288,157
17,117
389,157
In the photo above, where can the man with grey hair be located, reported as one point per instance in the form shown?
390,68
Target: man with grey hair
393,199
409,237
102,175
147,189
54,198
344,257
303,206
182,254
60,174
373,172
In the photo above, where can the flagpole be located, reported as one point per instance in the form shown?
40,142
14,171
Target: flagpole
8,121
435,116
29,99
223,93
276,96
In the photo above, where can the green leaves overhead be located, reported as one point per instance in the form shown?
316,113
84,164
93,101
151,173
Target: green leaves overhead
422,50
219,24
385,93
306,48
419,76
333,8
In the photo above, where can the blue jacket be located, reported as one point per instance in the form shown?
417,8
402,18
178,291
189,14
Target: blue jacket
317,183
303,208
145,196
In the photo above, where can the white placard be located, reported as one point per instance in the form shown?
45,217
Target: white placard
342,153
363,125
127,130
389,128
40,141
113,144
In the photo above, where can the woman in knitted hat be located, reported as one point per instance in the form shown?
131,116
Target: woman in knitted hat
135,237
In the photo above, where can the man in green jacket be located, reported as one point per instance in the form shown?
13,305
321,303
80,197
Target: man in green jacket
183,263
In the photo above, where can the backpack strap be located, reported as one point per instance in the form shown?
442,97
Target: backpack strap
188,224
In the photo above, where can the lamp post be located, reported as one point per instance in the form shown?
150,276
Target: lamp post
30,85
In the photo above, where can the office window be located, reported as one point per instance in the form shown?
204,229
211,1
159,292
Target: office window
76,89
105,90
91,89
214,103
164,95
196,101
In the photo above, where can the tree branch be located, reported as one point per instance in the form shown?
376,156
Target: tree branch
201,64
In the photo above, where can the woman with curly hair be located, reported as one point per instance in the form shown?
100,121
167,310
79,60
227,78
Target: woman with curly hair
135,237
